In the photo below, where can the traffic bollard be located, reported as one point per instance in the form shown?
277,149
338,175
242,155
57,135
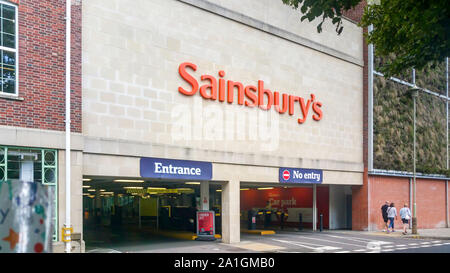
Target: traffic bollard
300,220
321,222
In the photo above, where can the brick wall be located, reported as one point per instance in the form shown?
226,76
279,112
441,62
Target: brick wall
42,68
430,200
360,194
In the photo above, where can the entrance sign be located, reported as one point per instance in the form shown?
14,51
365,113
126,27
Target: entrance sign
295,175
175,169
205,225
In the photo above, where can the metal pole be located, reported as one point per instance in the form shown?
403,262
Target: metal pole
414,218
446,182
68,184
157,213
140,224
314,207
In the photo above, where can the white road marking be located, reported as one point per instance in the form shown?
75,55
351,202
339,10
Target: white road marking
359,250
438,244
401,248
387,250
328,248
425,243
413,244
360,239
436,241
388,246
333,242
322,248
401,245
287,242
342,252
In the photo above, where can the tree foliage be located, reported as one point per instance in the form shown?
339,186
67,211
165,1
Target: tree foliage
415,31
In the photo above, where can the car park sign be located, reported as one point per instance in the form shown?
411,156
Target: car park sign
296,175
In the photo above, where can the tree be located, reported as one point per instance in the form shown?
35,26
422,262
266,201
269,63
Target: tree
415,31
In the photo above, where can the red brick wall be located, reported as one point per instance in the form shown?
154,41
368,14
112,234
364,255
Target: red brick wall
42,68
430,200
360,196
382,189
430,204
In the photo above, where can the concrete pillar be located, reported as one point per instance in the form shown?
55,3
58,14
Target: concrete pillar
204,195
231,228
76,195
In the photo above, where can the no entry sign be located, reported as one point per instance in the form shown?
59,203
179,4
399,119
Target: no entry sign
296,175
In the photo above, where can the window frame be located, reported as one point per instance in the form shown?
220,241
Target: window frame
15,50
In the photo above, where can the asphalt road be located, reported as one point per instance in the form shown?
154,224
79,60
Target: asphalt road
349,242
282,242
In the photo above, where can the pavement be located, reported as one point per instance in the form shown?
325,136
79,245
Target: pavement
437,233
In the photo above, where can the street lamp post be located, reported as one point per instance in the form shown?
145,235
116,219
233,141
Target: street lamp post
414,94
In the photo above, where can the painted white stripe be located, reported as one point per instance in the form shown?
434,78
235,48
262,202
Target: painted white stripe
291,243
401,245
388,246
413,244
333,242
425,243
438,244
359,238
360,250
401,248
436,241
342,252
386,250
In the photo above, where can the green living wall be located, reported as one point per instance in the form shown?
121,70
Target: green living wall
393,123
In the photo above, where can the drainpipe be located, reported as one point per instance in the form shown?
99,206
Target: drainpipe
68,184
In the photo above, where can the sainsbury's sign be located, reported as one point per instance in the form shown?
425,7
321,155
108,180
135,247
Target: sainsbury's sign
175,169
250,95
296,175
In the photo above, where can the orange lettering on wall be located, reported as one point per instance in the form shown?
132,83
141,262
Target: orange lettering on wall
249,95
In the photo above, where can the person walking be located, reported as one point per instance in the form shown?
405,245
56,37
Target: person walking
384,215
392,215
405,215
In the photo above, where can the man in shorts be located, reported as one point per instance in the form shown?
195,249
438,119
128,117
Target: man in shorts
385,215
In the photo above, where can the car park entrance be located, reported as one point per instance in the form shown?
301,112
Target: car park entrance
160,209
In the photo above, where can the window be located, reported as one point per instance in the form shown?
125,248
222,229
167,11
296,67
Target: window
32,165
8,48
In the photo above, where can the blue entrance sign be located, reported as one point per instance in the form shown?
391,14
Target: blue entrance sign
295,175
175,169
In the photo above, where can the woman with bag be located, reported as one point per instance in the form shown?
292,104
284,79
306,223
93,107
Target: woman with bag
405,214
392,213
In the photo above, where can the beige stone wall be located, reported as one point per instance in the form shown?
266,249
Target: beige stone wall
131,103
76,204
